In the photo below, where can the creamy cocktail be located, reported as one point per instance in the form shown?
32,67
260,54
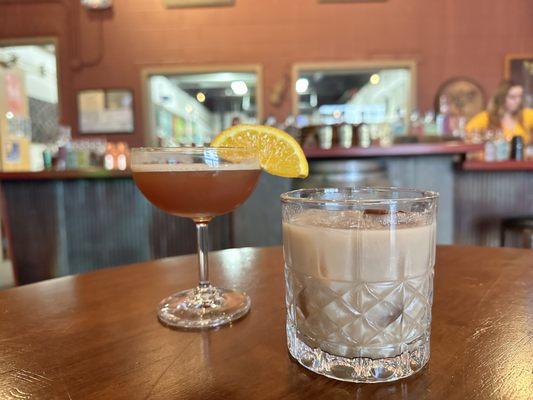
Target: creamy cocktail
359,283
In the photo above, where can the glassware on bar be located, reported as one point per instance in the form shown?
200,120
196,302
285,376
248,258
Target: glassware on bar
359,280
198,183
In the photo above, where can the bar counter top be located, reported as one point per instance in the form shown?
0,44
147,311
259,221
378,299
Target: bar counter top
89,173
508,165
399,150
411,149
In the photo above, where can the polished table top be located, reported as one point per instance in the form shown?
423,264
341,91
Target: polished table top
96,336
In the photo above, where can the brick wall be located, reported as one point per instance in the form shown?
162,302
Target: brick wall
447,38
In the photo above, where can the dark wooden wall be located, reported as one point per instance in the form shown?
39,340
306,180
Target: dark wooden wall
61,227
484,198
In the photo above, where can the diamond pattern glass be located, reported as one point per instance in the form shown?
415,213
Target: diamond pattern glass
359,286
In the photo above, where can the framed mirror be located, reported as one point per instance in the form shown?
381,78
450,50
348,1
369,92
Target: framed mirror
354,92
192,104
519,68
32,62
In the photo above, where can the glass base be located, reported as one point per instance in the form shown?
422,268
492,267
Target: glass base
203,307
360,369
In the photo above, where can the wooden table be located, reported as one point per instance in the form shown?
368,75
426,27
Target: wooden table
96,336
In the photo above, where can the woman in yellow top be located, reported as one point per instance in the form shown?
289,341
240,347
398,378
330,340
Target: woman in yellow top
506,111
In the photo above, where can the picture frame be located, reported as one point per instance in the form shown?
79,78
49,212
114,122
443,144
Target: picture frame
197,3
105,111
519,69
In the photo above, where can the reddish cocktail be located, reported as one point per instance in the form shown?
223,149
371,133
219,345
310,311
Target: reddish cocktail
196,191
198,183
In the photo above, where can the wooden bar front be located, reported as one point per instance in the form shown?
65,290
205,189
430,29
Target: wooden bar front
61,225
64,222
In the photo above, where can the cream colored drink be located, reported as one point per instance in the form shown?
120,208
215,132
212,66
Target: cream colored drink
359,283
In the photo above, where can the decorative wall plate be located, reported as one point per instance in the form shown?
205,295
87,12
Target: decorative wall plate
465,97
97,4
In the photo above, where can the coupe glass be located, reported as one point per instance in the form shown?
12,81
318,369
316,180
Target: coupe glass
198,183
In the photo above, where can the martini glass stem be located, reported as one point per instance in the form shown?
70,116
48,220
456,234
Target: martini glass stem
203,250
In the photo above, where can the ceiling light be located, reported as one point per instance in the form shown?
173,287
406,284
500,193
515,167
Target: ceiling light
9,115
97,4
239,88
374,79
302,85
200,96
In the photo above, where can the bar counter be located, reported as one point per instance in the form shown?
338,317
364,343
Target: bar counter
486,193
411,149
417,165
89,173
65,222
400,150
497,165
62,222
474,195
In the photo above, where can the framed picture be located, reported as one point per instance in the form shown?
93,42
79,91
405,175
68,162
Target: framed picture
105,111
519,68
197,3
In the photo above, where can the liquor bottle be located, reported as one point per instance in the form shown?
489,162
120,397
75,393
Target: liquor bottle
517,148
398,124
502,146
443,117
430,126
489,147
122,156
109,157
416,126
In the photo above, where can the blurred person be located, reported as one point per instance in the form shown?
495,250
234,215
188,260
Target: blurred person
506,112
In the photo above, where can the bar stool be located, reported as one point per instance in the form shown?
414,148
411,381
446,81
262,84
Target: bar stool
521,225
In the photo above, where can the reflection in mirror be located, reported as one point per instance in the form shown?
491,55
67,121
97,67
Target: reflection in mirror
191,108
34,100
371,97
365,95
